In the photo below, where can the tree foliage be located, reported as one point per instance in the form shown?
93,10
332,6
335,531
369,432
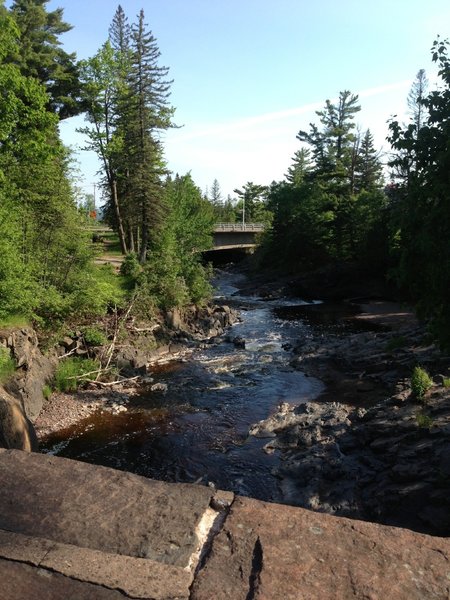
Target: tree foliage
423,201
331,206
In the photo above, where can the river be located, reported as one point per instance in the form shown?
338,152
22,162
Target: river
195,428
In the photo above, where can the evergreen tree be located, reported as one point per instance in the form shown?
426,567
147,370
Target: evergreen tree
39,54
369,169
415,99
252,202
300,167
148,113
215,195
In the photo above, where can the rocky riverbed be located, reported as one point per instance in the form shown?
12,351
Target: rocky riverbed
144,346
367,448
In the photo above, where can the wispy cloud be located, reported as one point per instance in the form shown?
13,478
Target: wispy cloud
239,124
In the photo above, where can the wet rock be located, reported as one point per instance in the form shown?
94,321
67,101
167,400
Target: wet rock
239,342
159,387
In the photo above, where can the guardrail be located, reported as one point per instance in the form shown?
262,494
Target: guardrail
239,227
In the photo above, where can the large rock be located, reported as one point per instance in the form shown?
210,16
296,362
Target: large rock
16,430
34,370
266,551
99,508
73,530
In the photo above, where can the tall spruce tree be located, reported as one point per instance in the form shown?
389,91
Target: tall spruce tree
148,113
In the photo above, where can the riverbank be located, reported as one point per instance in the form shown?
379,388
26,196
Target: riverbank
143,349
367,448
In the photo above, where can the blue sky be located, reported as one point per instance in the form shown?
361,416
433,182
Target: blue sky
248,74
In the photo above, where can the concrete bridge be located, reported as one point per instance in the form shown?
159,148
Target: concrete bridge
228,236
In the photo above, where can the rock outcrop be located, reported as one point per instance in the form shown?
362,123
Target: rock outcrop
367,448
33,369
16,430
73,530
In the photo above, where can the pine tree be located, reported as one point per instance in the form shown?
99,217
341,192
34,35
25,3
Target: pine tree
40,54
415,99
423,202
369,167
300,167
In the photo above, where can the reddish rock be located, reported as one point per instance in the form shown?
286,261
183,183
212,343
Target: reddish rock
21,581
99,508
266,551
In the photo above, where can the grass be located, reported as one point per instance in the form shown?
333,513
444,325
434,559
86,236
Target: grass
47,392
424,420
421,382
7,364
447,382
73,371
14,321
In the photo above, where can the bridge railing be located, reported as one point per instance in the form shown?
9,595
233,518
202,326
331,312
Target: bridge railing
239,227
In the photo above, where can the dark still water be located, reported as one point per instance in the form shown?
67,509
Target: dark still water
197,430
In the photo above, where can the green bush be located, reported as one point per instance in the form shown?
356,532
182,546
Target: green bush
7,364
424,420
447,382
47,392
421,382
130,266
94,336
73,371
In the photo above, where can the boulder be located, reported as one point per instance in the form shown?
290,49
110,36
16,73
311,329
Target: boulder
16,430
34,370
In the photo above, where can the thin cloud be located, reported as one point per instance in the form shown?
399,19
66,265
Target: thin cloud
239,124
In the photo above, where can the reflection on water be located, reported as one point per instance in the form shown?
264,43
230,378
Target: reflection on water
198,429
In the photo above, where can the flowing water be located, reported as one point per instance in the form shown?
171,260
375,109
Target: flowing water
197,430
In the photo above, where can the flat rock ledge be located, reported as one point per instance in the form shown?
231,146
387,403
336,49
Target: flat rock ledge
73,530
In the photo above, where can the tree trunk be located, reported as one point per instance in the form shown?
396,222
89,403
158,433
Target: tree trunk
123,243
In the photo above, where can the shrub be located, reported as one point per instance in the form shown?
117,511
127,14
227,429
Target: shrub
7,364
130,266
447,382
421,382
94,336
73,371
424,420
47,392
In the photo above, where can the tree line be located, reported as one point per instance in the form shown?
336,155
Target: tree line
47,272
334,204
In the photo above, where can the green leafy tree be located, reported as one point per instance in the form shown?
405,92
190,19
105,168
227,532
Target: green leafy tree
423,202
174,274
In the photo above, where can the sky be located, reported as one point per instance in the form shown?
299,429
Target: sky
249,74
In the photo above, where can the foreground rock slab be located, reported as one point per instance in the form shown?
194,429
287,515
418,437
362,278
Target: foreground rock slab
77,531
266,551
99,508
